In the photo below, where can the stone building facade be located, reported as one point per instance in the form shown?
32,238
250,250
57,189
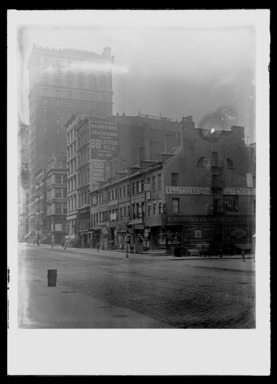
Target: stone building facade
63,82
56,176
23,181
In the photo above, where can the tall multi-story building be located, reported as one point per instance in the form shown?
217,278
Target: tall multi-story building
56,198
63,82
72,177
41,205
23,181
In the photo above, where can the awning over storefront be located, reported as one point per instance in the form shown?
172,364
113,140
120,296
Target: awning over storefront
244,246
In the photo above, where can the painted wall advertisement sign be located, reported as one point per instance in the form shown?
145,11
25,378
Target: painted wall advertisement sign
170,190
104,140
103,146
239,191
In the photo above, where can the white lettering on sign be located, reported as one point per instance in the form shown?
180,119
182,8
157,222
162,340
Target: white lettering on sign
239,191
170,190
97,170
104,140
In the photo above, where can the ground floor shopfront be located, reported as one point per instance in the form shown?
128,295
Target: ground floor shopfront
228,232
235,232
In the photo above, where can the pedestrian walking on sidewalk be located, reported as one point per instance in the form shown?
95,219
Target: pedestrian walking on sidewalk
98,246
65,244
243,255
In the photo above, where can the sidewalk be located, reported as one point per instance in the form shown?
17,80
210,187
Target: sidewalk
58,307
227,262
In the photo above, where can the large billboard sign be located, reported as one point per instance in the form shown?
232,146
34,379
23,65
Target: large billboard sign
103,146
103,140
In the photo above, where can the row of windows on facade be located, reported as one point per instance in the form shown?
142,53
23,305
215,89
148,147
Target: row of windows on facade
71,136
57,209
71,150
57,193
137,211
136,187
65,94
72,184
72,203
80,81
72,167
57,179
129,212
80,105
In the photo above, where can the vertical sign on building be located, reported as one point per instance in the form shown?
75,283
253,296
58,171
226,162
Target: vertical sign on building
103,146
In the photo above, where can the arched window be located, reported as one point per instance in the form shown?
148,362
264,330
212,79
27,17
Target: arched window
200,162
230,163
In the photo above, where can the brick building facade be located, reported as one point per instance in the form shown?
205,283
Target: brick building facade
204,194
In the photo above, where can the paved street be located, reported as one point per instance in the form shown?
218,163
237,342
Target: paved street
106,290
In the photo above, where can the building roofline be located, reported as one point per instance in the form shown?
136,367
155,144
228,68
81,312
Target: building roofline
129,177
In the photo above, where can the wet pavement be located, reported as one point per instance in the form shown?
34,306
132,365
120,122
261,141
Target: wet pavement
108,290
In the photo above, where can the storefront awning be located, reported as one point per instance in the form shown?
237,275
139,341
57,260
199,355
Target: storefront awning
244,246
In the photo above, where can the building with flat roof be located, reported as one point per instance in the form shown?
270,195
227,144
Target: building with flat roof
63,82
202,193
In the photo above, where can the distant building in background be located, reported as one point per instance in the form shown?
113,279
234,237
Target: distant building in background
23,180
62,82
143,137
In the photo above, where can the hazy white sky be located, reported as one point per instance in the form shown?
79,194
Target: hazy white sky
173,68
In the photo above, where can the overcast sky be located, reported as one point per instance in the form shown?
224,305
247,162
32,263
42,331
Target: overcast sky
172,69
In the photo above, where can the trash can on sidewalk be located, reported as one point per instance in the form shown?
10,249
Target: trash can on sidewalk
52,277
178,251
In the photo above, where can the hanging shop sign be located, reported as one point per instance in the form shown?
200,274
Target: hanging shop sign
239,191
170,190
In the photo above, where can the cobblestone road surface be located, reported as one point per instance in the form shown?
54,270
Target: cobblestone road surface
179,293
